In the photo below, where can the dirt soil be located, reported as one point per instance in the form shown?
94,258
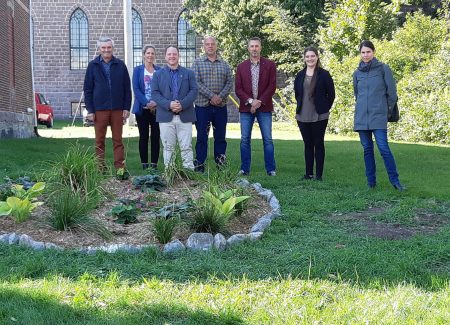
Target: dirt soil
139,233
424,223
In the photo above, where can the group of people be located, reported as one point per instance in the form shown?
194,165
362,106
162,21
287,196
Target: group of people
169,99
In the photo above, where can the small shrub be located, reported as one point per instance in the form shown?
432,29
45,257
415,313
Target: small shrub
19,209
69,211
149,183
164,228
125,214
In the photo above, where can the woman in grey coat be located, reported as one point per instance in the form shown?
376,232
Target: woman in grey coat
375,92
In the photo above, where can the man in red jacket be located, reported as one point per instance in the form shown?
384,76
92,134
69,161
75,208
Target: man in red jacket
255,86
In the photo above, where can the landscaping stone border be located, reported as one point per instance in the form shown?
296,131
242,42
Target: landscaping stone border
195,242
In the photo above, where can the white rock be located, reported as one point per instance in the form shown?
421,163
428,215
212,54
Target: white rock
236,239
220,242
258,188
173,247
4,238
200,241
267,194
25,240
261,225
13,238
255,235
37,245
274,203
52,246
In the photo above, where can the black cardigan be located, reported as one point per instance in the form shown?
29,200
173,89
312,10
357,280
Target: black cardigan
324,93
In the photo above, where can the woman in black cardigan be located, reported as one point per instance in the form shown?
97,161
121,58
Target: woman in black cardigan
314,92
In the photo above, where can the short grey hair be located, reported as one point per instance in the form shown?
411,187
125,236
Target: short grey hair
209,36
104,39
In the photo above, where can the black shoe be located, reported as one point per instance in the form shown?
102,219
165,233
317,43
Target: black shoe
399,187
154,166
372,186
145,166
243,173
199,168
307,177
318,178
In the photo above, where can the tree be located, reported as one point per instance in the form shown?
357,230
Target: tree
233,22
351,21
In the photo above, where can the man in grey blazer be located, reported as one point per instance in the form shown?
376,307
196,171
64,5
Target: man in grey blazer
174,90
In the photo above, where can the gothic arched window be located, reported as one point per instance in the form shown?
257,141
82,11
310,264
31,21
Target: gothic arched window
79,40
186,42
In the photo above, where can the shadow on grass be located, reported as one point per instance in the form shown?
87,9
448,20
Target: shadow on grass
24,307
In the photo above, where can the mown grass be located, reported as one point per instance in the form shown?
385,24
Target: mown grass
309,267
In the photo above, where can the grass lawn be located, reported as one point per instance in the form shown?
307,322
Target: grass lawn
320,263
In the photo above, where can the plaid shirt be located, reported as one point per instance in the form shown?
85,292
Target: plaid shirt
213,78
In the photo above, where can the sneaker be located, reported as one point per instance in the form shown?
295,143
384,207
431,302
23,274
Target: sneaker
307,177
318,178
272,173
243,173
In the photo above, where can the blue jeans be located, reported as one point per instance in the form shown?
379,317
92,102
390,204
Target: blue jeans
217,117
369,158
265,124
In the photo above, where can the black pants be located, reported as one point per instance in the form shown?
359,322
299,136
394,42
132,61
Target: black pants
144,121
313,134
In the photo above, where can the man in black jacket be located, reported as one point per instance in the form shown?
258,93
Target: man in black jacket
107,95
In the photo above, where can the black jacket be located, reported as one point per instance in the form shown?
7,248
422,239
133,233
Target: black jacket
323,94
97,93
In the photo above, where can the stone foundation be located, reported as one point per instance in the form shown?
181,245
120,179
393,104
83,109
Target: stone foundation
16,125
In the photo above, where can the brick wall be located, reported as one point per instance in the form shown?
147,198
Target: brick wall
53,76
15,66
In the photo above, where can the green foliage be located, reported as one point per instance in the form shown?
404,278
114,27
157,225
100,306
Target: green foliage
20,208
175,210
351,21
125,214
149,183
78,170
69,210
122,174
164,227
214,211
413,45
233,22
22,193
19,203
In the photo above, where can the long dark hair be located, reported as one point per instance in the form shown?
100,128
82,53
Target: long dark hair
312,87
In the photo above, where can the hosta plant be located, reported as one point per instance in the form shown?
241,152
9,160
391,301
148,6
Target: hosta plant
125,214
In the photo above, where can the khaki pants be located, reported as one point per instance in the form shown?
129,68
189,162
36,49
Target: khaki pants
174,131
115,120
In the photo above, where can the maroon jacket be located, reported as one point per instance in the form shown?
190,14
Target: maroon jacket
266,86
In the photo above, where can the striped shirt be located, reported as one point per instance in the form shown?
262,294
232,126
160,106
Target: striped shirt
213,78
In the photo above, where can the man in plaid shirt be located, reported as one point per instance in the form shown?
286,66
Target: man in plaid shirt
214,82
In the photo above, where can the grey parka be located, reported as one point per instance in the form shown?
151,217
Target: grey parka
375,92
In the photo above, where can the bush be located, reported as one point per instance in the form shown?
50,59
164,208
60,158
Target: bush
78,170
164,227
69,210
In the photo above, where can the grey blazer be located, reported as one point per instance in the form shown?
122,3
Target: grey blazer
162,94
375,92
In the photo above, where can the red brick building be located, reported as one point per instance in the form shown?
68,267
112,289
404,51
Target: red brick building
16,97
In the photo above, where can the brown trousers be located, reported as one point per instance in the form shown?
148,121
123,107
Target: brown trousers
115,120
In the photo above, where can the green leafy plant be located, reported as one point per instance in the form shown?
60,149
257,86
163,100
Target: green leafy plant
125,213
122,174
21,208
69,210
164,227
20,192
149,183
212,214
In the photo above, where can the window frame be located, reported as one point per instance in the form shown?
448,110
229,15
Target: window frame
79,65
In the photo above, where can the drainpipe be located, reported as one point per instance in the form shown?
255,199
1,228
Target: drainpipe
128,44
32,72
